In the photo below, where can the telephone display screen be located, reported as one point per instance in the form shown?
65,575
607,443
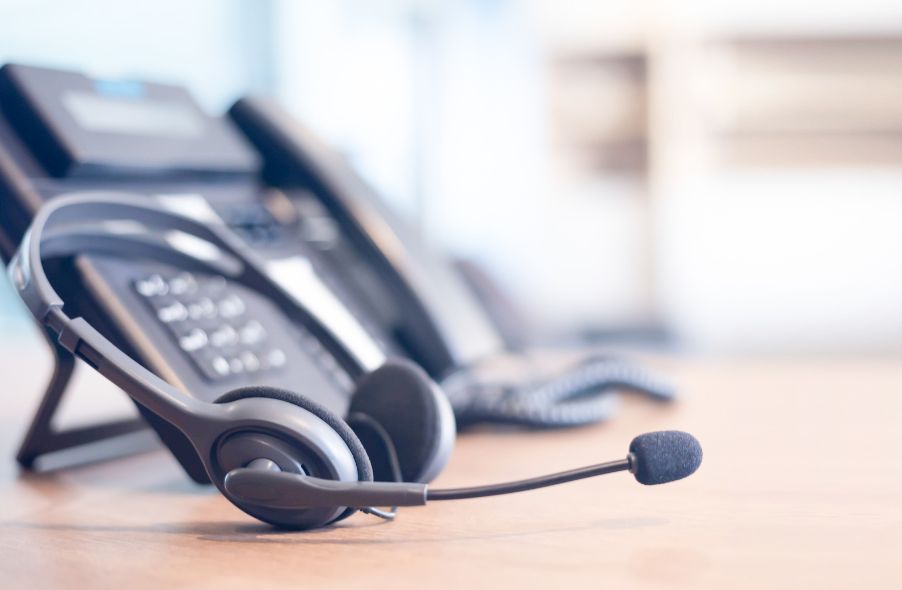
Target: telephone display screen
79,126
107,114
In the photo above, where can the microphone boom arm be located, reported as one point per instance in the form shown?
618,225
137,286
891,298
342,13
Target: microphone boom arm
267,487
533,483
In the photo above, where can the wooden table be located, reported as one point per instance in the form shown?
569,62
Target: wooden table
801,487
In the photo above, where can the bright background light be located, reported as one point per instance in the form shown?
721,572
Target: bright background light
725,172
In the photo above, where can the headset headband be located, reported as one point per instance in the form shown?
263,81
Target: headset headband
83,216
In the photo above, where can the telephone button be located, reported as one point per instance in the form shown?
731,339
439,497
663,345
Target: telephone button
220,366
236,366
194,340
231,306
251,362
275,358
182,284
252,333
173,312
152,286
224,336
202,309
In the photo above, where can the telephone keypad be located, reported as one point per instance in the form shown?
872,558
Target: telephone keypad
211,324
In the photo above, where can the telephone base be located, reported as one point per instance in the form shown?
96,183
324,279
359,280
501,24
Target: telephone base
42,440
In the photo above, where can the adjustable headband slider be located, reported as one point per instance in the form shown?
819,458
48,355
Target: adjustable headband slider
59,323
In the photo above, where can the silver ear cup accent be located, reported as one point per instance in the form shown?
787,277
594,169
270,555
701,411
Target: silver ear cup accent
296,441
446,438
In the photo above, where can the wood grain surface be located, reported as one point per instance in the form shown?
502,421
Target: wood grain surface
801,487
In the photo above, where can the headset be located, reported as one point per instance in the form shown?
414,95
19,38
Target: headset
275,454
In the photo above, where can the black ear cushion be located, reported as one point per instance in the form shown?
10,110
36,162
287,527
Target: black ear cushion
364,468
400,396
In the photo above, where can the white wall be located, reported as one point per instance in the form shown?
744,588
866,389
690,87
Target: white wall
793,261
771,258
767,260
442,106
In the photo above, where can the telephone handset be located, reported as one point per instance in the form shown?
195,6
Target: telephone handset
424,306
432,314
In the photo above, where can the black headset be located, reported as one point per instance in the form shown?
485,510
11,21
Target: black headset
276,454
399,412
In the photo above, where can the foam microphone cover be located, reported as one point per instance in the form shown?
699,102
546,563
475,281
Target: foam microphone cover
665,456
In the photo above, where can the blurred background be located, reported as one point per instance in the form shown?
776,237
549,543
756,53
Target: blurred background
721,176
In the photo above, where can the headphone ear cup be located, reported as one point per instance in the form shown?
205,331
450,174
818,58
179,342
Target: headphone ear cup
412,412
364,467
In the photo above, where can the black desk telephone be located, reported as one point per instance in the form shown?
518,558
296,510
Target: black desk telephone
325,238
